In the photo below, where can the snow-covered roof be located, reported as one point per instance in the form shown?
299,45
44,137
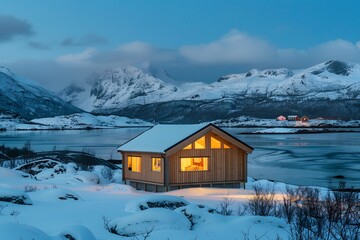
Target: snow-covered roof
160,137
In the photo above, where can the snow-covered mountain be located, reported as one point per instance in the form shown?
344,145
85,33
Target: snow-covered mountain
118,88
27,99
330,89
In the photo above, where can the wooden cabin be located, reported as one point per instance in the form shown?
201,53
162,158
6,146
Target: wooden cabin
293,118
304,119
281,118
169,157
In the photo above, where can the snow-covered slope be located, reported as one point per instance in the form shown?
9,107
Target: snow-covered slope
118,88
130,92
72,121
27,99
83,120
63,207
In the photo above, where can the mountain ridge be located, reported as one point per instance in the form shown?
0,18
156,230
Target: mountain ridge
130,92
27,99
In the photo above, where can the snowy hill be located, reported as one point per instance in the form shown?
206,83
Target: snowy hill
27,99
86,120
268,93
72,121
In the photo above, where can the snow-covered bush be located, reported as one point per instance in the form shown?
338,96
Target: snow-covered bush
196,213
117,176
156,201
87,177
14,196
148,220
16,231
30,188
56,194
71,168
77,232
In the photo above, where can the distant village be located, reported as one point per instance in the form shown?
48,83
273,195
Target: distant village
293,118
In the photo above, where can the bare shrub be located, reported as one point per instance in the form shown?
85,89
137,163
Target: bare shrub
309,222
241,209
30,188
342,211
288,206
107,226
336,217
263,203
225,206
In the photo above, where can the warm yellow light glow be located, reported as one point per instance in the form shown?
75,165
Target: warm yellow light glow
200,143
226,146
188,146
215,144
156,164
194,164
134,164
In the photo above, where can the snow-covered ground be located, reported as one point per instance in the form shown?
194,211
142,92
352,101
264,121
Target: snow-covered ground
73,121
62,204
89,121
273,123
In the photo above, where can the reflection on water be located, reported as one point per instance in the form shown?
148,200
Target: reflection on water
311,159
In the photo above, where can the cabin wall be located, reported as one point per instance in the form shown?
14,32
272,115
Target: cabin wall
225,165
146,174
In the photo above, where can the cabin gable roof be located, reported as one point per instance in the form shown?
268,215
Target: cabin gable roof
171,138
208,128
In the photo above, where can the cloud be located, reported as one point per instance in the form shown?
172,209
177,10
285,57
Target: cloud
11,27
234,47
235,52
336,49
242,49
38,45
87,40
134,53
76,58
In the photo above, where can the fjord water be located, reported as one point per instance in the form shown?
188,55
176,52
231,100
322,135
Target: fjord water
302,159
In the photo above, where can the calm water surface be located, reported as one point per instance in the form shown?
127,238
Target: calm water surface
311,159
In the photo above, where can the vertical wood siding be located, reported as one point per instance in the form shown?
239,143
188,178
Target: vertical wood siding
146,174
225,165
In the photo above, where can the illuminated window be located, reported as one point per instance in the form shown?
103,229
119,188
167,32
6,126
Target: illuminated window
194,164
188,146
134,164
200,143
226,146
156,164
215,144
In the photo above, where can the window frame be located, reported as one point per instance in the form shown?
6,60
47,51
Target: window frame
202,157
220,143
152,163
202,148
128,165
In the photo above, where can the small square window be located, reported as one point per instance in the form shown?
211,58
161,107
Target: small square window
156,164
134,164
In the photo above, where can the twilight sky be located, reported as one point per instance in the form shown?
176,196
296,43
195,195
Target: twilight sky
60,41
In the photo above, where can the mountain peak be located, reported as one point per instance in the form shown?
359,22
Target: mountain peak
333,66
29,100
6,71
